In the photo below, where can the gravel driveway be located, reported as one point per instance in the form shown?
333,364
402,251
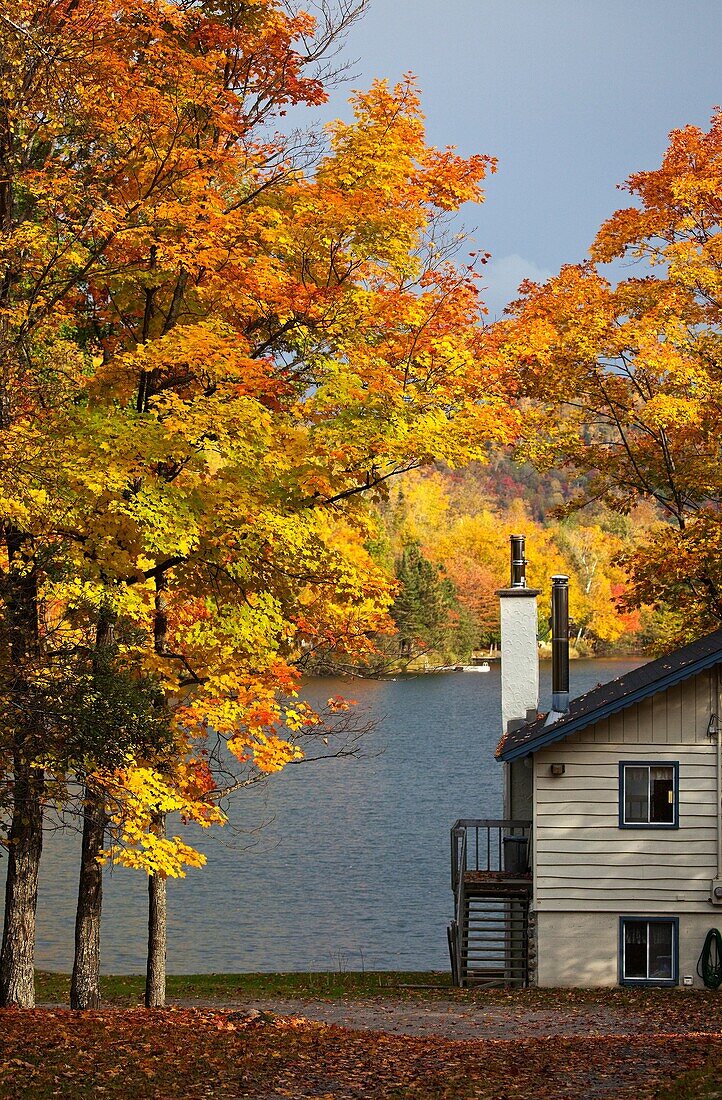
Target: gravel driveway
449,1019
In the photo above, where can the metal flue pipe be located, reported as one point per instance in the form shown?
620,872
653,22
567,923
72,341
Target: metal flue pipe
518,561
560,644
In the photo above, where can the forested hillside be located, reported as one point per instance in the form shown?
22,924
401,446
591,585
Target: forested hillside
445,536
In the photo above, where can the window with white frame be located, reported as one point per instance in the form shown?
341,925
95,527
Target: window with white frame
648,794
648,950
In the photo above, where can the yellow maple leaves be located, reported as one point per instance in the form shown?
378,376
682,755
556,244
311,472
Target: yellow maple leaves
137,797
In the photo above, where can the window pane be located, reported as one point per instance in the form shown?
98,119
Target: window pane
635,949
636,794
660,950
662,787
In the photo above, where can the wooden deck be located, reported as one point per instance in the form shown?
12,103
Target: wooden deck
497,884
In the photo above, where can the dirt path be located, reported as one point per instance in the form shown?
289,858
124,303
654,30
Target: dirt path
449,1019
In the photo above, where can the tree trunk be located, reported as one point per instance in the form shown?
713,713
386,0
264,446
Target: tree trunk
25,842
85,982
25,845
157,884
157,911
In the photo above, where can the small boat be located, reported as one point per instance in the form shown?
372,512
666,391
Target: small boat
483,667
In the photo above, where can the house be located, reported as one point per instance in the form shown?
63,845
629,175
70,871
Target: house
607,867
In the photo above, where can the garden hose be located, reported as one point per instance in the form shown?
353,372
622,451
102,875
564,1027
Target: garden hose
709,963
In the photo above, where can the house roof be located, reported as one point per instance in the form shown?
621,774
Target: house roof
616,695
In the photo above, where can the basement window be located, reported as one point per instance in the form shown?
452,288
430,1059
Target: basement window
648,950
648,794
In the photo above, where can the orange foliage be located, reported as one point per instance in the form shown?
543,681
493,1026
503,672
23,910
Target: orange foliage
215,352
634,368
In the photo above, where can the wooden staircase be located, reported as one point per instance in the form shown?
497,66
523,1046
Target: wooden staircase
489,936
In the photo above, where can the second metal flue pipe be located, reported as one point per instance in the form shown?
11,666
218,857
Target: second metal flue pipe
560,643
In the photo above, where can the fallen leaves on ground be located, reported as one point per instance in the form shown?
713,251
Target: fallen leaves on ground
262,1056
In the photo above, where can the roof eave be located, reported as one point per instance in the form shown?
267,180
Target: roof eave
561,730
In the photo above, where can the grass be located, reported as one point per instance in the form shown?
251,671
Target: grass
118,989
694,1005
698,1084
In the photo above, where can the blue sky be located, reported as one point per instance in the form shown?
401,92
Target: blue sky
570,95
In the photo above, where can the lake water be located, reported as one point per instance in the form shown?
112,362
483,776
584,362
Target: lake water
340,865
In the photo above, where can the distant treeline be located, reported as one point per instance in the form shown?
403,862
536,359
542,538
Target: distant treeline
445,536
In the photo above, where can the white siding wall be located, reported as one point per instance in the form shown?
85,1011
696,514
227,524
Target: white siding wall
582,949
588,871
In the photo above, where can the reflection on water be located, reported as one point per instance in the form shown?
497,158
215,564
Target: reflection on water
340,865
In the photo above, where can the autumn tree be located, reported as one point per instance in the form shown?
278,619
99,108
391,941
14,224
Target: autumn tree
95,142
627,373
211,355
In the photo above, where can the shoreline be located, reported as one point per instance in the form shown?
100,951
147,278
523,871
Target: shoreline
493,660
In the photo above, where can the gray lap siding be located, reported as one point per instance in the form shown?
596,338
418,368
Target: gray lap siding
583,860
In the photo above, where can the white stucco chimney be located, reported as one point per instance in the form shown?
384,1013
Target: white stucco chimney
519,656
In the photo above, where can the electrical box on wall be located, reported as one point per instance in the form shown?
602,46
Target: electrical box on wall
715,891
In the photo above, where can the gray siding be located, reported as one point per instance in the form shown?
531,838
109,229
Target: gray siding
519,789
582,859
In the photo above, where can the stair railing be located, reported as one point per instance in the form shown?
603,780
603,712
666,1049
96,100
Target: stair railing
458,867
459,843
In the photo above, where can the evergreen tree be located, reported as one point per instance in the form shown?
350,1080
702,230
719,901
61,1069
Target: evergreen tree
422,608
